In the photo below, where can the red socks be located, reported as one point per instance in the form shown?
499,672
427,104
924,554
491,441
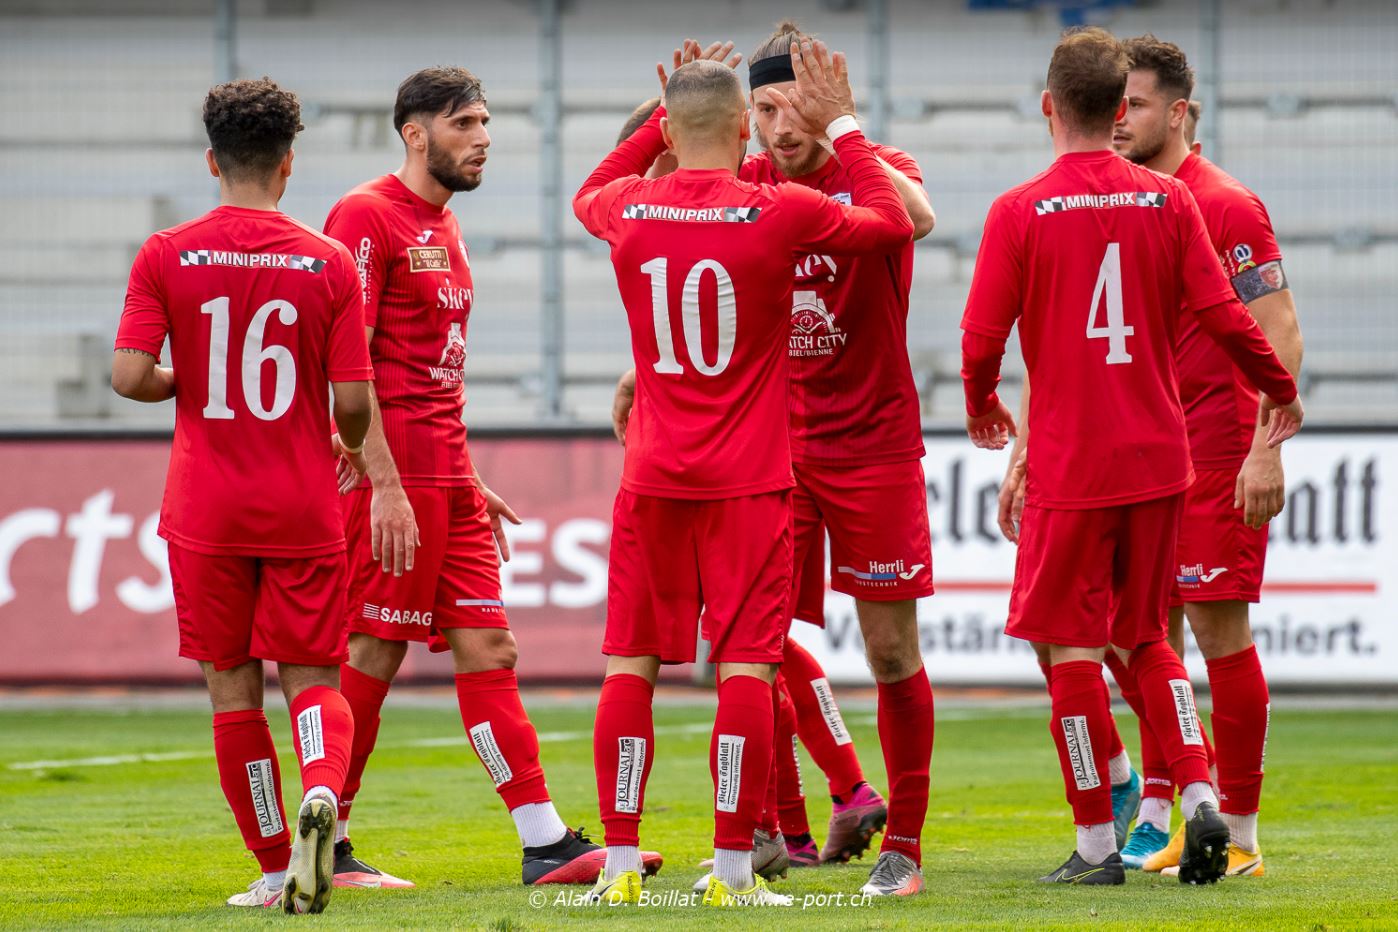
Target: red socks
252,784
322,728
1169,705
1080,726
623,748
791,797
818,720
771,821
740,759
365,695
502,735
906,723
1114,745
1242,712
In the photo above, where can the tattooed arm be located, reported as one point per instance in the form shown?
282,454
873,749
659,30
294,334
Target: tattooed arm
136,376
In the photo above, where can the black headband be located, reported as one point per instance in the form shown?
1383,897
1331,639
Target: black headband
772,70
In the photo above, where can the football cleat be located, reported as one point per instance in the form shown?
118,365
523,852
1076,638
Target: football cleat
310,877
853,824
718,893
1241,863
1126,802
802,851
1145,841
894,874
575,859
624,888
1205,855
770,859
1077,871
257,895
1168,856
352,872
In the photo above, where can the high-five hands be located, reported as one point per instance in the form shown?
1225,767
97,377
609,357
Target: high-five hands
822,92
689,51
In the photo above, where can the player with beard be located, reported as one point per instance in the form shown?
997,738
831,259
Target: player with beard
1239,486
856,445
423,533
1100,519
856,448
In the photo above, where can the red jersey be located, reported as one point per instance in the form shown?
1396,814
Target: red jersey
1220,404
417,296
1097,258
695,254
262,313
853,399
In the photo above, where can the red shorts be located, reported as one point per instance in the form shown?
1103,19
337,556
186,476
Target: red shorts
455,579
284,609
880,546
808,588
672,559
1090,576
1218,558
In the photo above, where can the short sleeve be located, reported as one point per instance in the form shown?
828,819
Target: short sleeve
145,321
347,350
1248,246
997,285
354,222
1202,277
902,161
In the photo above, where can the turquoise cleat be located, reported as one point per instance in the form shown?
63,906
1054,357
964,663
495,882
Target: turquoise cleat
1126,802
1145,841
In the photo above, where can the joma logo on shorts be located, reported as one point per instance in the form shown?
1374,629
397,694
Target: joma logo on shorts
397,616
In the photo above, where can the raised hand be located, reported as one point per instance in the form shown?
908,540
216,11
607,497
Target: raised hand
822,92
689,51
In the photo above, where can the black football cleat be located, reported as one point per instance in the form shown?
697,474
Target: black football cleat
575,859
1205,855
350,871
1076,870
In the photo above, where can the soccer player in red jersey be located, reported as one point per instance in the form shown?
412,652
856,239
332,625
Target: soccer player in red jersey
1239,484
423,532
262,314
1101,262
704,515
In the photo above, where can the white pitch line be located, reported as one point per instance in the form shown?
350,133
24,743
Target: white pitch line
545,737
115,760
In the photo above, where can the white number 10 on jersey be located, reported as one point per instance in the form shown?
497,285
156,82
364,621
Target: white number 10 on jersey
1109,287
727,317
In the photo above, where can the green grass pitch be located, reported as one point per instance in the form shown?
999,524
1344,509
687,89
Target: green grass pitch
151,844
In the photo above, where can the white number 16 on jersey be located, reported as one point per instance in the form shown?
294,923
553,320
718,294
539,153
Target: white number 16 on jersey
726,316
1109,286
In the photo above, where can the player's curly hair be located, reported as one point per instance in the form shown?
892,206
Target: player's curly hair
251,125
1173,75
1087,78
779,42
431,91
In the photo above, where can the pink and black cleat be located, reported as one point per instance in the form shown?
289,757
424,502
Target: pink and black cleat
853,823
802,850
574,859
352,872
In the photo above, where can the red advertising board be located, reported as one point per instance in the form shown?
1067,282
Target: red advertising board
85,591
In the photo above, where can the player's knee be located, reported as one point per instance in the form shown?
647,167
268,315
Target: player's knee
477,650
1220,628
893,660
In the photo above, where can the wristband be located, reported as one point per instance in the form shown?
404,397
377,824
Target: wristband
356,450
840,126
